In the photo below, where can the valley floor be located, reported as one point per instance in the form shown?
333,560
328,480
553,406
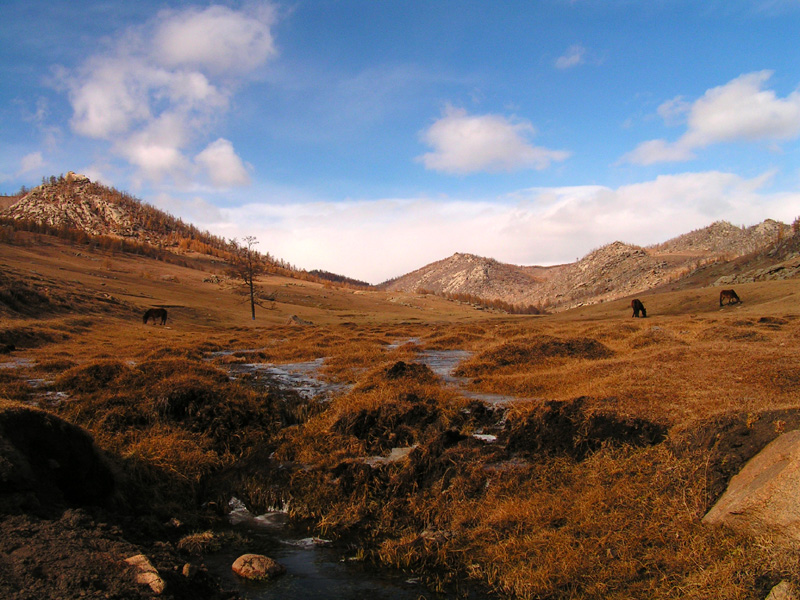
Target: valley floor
591,485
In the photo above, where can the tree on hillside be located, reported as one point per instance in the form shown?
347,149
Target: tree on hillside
246,265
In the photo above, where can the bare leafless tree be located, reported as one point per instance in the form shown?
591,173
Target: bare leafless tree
246,265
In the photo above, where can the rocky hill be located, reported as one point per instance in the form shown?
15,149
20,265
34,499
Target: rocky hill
469,275
75,202
613,271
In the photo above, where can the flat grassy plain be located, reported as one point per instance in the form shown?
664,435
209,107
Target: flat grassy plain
623,434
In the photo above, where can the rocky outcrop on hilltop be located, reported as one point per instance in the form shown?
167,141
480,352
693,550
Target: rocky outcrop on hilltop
75,203
612,271
723,238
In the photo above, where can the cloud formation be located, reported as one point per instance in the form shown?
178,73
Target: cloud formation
159,89
464,143
531,226
740,110
573,57
222,164
30,162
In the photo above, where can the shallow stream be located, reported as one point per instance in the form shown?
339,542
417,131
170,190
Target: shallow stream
303,377
315,570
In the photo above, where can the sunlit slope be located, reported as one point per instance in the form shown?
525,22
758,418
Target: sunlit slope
60,278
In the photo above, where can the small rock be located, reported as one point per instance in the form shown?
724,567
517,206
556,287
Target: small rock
257,567
190,571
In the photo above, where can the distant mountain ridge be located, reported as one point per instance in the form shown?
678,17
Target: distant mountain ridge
612,271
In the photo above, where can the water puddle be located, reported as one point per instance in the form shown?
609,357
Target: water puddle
17,363
303,377
445,362
300,377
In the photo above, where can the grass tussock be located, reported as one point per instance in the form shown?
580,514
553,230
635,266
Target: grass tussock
540,350
176,423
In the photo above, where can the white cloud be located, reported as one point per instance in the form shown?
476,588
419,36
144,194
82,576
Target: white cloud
376,240
657,151
674,111
216,39
573,57
222,164
740,110
157,89
464,143
30,162
192,210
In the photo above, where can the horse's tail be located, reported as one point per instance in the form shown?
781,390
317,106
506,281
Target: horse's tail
146,315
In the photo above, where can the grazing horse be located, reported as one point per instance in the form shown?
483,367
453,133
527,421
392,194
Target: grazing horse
638,307
728,295
156,313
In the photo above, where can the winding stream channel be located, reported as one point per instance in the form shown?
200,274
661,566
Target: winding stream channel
314,570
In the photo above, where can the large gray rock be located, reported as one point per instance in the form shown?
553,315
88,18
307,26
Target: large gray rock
763,496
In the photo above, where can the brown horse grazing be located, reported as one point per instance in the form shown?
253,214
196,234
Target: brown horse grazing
638,307
728,295
156,313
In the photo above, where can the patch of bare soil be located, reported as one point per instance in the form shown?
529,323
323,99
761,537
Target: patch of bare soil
574,428
75,556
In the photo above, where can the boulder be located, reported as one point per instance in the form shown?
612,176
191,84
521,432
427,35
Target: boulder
295,320
257,567
783,591
762,497
146,573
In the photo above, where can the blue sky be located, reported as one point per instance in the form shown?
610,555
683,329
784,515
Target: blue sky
371,137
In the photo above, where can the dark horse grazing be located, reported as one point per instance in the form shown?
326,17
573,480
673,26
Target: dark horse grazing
638,307
156,313
728,295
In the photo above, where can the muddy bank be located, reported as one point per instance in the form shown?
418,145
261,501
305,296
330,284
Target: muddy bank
62,533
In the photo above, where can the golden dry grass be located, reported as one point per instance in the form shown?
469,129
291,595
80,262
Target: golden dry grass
600,514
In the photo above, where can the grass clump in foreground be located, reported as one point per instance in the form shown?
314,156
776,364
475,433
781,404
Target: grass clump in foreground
175,423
